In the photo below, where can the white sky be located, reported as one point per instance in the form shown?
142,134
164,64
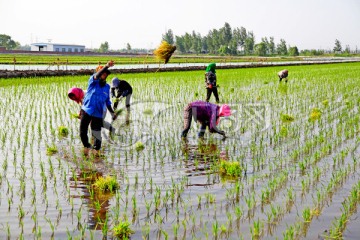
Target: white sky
307,24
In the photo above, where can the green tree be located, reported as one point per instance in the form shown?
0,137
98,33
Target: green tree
249,43
187,42
226,34
271,46
128,47
281,48
347,49
104,47
260,49
293,51
224,50
233,47
204,43
338,47
266,42
180,44
239,36
7,42
168,36
196,42
213,41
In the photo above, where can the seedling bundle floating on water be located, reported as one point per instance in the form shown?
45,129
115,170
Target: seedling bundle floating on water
139,146
287,118
51,149
315,114
63,131
107,183
232,168
164,51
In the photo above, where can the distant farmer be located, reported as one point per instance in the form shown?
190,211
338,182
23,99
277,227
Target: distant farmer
210,82
96,99
208,114
119,90
77,95
283,74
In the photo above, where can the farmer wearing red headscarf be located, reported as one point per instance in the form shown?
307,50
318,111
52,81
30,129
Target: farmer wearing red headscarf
208,114
76,94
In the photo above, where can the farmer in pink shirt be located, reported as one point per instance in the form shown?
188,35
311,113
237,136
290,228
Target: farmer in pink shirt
208,114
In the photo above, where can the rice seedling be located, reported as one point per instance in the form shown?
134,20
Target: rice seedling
315,114
63,131
51,150
232,169
105,184
286,118
306,214
257,229
139,146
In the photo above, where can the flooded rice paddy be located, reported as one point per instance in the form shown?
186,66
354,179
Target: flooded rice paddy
297,144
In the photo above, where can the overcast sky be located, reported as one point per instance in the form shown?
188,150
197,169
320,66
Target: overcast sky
307,24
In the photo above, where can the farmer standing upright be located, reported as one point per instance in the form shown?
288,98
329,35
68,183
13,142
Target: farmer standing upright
208,114
77,95
210,82
96,100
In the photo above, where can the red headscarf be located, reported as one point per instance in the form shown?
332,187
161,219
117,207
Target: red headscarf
76,94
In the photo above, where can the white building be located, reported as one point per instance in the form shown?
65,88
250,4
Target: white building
57,47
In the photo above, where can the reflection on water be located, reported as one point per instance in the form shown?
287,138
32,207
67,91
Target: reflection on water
11,67
201,158
96,201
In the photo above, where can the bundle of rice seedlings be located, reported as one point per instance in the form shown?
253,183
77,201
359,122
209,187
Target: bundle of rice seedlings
315,114
287,117
164,51
63,131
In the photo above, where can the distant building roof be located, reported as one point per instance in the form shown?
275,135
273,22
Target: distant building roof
61,44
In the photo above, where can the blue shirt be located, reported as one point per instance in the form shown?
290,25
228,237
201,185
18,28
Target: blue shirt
96,98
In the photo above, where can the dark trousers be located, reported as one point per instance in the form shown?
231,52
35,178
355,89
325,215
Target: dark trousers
212,90
95,124
187,122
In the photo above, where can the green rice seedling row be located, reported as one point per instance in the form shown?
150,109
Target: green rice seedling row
288,169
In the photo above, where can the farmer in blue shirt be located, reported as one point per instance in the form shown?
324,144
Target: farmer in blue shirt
96,100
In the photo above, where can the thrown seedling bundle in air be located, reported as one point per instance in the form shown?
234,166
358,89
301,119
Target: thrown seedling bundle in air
164,51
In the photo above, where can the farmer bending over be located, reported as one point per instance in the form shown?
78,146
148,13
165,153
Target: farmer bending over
210,82
208,114
283,74
95,100
119,90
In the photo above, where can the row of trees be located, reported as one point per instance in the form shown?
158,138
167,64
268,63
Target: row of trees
228,41
238,41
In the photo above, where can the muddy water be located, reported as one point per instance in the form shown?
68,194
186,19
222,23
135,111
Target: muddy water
171,183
